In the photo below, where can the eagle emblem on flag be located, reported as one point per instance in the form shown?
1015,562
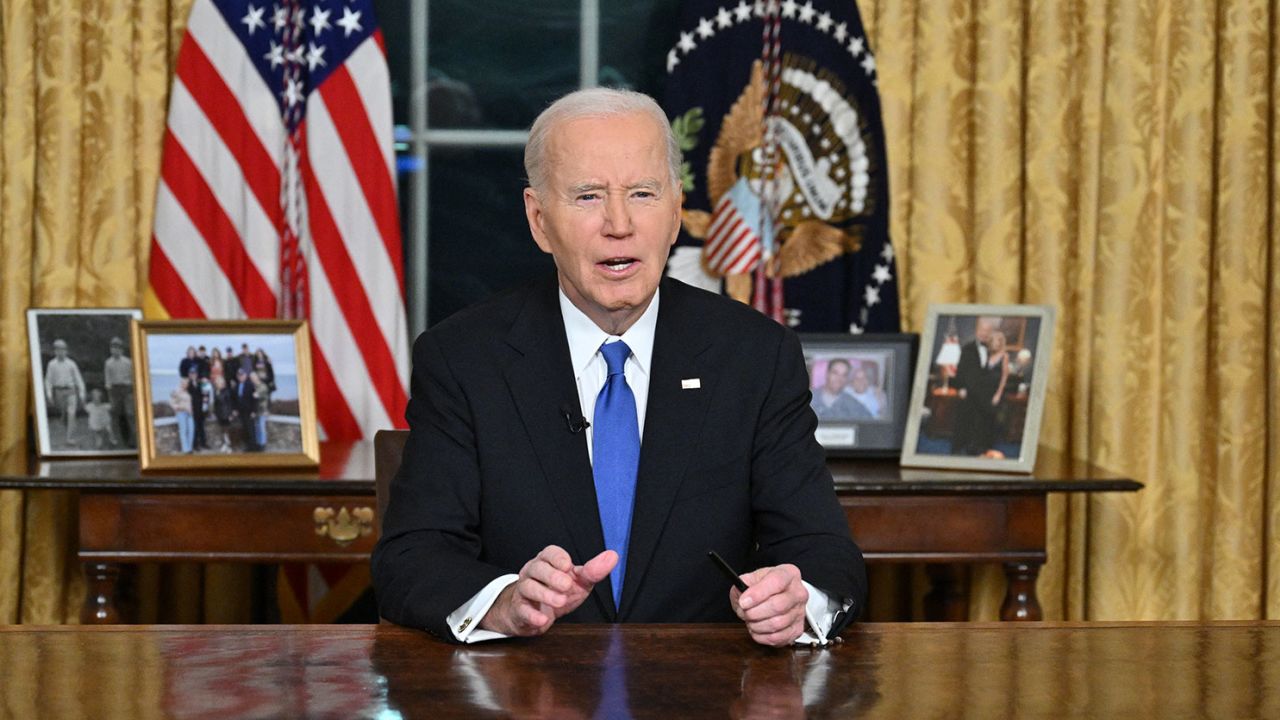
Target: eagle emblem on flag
775,109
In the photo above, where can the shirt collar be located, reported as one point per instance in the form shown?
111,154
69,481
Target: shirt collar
585,337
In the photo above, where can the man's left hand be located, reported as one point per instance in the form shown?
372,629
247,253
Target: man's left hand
773,605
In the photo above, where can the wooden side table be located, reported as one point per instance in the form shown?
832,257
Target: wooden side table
897,515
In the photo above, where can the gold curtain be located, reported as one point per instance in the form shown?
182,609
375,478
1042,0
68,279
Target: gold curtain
83,94
1118,159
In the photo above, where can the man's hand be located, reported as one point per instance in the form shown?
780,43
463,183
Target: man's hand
550,586
773,605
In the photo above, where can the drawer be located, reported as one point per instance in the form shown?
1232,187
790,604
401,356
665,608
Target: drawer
231,528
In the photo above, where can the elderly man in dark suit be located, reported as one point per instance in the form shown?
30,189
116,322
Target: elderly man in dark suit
577,445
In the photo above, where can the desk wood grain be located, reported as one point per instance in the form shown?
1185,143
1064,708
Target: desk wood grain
1229,670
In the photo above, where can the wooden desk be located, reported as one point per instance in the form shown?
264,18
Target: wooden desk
897,515
1158,670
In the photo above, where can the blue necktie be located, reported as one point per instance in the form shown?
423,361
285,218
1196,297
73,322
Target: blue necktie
615,447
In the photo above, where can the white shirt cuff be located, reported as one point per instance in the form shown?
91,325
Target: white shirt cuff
465,621
819,613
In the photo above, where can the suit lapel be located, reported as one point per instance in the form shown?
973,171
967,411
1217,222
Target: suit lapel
541,381
672,424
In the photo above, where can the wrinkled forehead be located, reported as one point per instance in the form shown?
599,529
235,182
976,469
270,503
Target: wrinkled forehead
626,147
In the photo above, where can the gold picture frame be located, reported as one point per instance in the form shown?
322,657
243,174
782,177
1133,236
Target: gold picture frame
948,426
261,415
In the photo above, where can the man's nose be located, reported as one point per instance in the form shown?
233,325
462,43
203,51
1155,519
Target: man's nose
617,216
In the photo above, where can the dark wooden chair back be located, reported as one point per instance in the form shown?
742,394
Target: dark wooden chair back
388,447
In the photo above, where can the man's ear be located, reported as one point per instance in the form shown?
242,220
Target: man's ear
534,214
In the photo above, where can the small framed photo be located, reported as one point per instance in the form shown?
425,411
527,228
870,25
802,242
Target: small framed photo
225,394
82,375
860,386
979,388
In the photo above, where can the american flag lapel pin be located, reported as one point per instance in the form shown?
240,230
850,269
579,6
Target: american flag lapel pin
690,383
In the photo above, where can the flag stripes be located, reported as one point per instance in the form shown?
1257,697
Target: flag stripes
244,91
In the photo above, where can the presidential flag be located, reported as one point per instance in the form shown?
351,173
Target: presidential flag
277,196
775,107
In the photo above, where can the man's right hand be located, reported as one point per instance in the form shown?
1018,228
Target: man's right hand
550,586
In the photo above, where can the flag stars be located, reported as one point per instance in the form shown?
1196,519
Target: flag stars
686,43
855,46
672,60
279,17
275,56
882,274
824,22
742,13
869,64
350,22
299,19
872,295
292,92
253,19
320,20
807,12
294,56
789,8
705,29
886,252
724,19
315,56
841,32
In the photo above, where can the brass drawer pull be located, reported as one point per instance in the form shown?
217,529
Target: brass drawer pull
344,526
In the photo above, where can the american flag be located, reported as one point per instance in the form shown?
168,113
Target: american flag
277,195
733,244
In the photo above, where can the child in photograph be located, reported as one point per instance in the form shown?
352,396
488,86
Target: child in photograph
99,420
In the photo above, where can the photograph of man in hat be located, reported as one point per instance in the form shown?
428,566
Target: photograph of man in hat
117,375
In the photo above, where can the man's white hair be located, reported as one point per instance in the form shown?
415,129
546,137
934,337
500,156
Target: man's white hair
594,103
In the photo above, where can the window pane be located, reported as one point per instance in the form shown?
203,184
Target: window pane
480,242
634,39
496,64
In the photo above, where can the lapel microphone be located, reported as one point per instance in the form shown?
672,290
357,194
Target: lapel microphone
574,420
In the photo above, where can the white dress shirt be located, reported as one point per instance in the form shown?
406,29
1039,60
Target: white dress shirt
590,372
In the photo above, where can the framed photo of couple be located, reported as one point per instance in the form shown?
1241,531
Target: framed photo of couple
979,389
225,394
859,385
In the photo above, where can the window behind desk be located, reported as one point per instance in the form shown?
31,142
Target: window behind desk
468,77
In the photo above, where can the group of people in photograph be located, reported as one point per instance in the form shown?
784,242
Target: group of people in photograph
849,392
110,413
232,388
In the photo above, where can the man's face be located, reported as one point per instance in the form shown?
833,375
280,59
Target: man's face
608,215
837,376
859,381
115,351
983,330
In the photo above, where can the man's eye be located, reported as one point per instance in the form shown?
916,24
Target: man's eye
643,194
588,197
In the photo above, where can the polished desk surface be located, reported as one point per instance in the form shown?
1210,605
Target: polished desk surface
1155,670
347,468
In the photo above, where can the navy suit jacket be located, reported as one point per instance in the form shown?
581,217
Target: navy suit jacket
492,472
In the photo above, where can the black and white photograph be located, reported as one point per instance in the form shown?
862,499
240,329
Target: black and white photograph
979,389
859,386
234,393
82,378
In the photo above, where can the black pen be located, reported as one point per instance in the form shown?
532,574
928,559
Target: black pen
736,579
